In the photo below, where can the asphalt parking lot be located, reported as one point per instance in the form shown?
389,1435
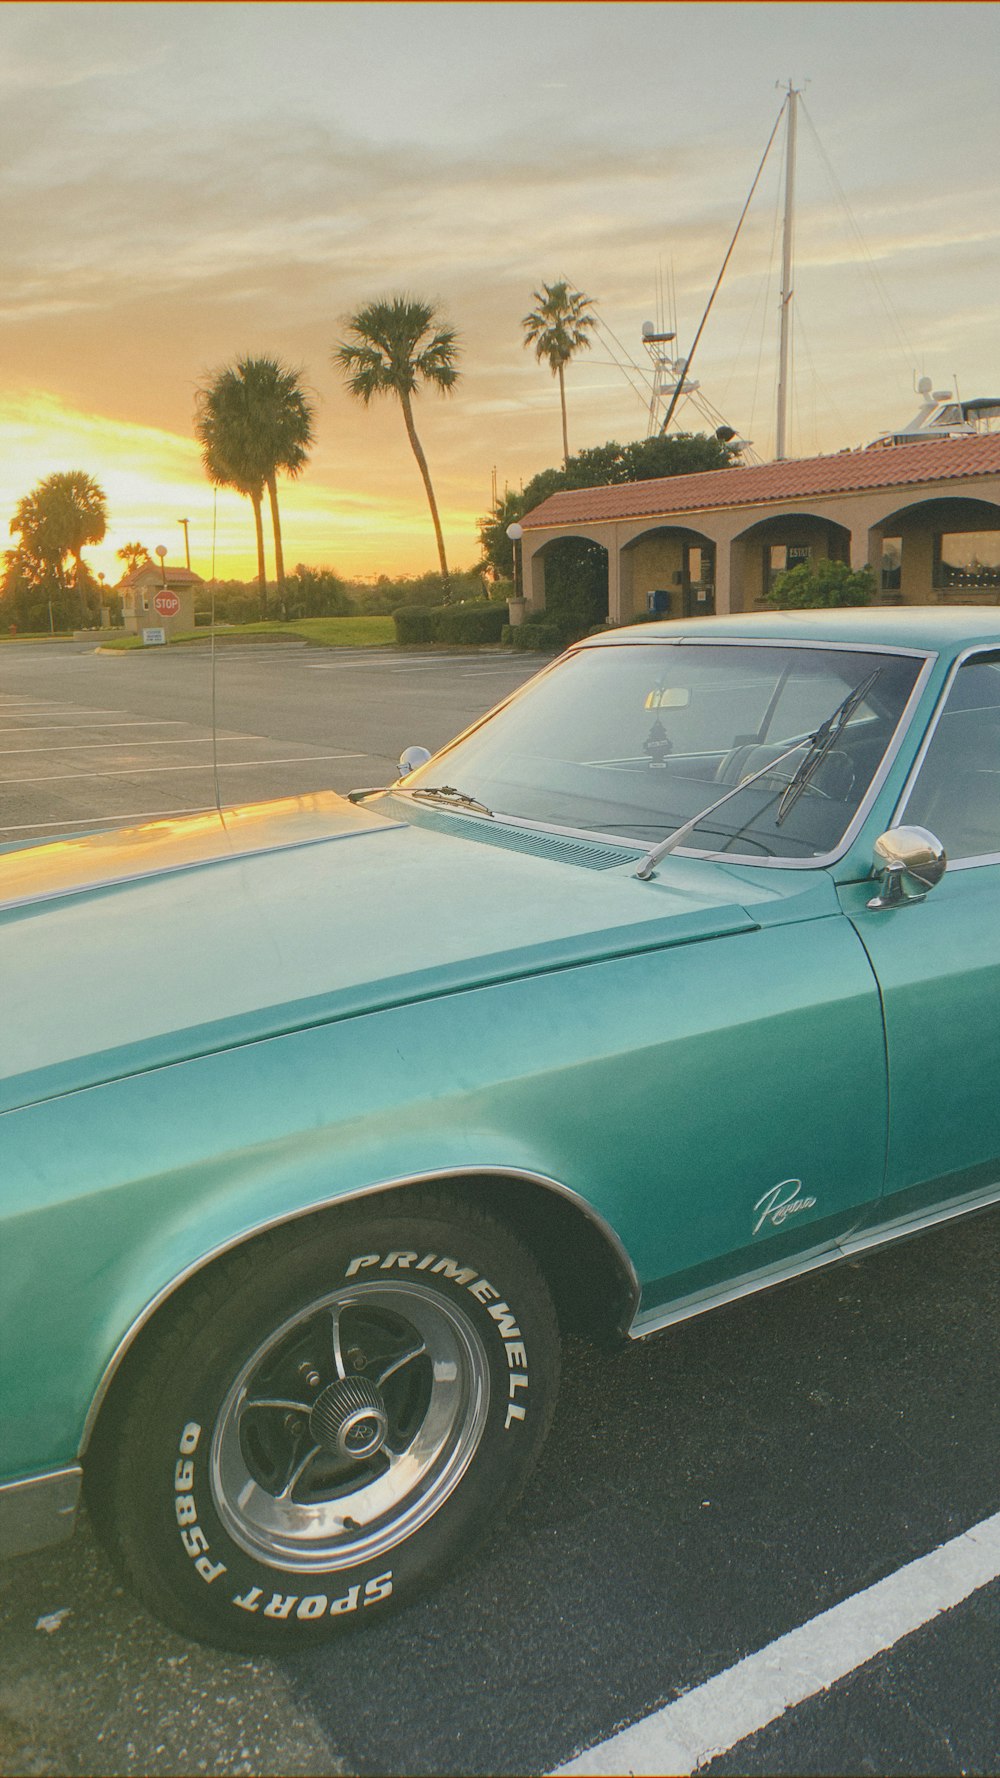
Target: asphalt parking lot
702,1494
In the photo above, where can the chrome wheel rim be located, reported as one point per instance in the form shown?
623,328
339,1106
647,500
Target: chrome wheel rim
349,1426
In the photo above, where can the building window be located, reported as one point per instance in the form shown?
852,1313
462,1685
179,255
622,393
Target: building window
780,557
891,570
966,561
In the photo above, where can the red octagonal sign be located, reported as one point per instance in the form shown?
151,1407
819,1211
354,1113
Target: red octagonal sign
167,603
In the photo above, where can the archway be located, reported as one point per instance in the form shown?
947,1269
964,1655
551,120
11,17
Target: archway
936,551
766,549
668,571
569,581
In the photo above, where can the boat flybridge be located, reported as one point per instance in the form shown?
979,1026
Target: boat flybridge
944,415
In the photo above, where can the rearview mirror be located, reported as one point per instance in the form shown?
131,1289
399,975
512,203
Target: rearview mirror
908,862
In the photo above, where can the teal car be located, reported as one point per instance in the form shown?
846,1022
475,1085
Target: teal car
324,1120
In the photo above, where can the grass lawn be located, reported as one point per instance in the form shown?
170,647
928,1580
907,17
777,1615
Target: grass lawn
328,632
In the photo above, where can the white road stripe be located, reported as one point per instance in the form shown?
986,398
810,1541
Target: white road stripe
225,765
102,746
71,728
707,1722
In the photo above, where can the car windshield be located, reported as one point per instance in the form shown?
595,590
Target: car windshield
631,741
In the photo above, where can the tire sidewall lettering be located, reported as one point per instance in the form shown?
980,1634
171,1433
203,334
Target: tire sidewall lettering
465,1279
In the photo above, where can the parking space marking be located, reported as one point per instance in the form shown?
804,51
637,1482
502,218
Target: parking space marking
71,728
225,765
705,1723
102,746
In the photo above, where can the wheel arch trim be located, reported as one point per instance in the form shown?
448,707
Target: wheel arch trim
443,1176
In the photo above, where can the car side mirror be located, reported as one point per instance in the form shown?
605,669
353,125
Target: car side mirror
411,758
908,862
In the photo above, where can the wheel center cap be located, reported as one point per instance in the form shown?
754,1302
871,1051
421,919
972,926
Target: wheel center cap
349,1419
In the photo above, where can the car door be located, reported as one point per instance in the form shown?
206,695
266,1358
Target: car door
938,962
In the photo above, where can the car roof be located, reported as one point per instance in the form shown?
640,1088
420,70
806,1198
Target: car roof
934,628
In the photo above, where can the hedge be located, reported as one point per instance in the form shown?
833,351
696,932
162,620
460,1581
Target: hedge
469,623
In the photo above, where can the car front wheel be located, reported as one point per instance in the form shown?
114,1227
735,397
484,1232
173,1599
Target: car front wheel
326,1422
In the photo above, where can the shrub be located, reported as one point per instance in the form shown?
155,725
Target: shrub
481,622
821,584
533,635
412,624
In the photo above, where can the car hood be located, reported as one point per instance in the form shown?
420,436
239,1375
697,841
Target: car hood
129,950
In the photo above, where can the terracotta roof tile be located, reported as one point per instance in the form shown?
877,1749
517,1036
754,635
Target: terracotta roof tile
175,576
940,459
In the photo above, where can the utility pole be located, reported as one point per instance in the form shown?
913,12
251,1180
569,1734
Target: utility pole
786,274
187,549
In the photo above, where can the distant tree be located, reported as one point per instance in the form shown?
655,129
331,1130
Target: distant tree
559,326
821,584
59,518
317,592
132,554
498,549
31,596
397,344
254,420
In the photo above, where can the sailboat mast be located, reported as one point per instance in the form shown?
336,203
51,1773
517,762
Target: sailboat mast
786,274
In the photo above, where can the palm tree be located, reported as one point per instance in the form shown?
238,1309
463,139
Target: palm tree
253,420
66,511
399,343
210,429
557,327
132,554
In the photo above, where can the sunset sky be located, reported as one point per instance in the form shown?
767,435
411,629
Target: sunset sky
182,183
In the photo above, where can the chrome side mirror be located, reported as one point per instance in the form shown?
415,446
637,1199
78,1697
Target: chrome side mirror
908,862
411,758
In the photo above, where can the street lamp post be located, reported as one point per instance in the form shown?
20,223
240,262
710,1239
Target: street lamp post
162,553
184,523
515,532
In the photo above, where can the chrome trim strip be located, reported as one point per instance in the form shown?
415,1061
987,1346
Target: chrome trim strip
38,1510
604,1229
975,649
849,1247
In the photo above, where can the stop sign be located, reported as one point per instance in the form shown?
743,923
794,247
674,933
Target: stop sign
167,603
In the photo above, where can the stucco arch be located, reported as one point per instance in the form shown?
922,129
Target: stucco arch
545,553
906,552
675,562
816,532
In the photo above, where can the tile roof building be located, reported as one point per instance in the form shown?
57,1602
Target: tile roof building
158,598
924,516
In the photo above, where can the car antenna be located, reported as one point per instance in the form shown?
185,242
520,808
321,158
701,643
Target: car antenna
215,729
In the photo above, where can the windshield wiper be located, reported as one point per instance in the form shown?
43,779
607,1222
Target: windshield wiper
442,793
828,733
655,853
819,744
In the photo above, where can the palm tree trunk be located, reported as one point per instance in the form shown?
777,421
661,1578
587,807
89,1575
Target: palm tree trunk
417,449
255,500
279,559
562,403
78,583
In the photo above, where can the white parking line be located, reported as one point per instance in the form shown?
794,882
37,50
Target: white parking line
225,765
71,728
707,1722
102,746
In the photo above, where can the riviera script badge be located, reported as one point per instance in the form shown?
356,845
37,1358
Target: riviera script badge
781,1202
